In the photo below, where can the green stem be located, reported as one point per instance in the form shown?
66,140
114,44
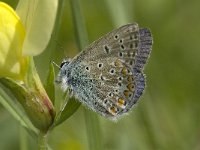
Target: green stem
23,138
122,16
91,119
80,29
54,37
93,130
42,141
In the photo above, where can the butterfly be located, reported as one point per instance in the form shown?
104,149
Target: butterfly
107,76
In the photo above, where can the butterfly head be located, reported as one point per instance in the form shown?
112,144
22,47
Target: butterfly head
65,62
62,77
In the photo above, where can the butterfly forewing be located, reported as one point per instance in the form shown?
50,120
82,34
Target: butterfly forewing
123,38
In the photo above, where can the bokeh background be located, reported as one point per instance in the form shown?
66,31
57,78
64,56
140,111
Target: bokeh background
168,115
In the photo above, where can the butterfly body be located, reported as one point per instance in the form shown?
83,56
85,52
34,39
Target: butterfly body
107,76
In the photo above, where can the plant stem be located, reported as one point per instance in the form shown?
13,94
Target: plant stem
93,130
80,29
54,37
118,6
23,138
42,141
91,119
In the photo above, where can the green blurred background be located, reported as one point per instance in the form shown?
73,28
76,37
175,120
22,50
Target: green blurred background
168,115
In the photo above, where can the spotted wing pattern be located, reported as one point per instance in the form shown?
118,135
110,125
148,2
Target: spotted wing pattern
107,76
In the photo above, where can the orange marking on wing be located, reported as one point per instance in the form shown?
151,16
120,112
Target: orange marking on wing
113,110
130,78
124,71
130,87
121,103
126,93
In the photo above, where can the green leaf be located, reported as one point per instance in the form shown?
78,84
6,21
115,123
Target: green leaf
10,102
50,86
68,110
38,17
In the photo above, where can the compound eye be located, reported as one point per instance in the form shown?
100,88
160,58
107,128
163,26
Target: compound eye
62,64
65,62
